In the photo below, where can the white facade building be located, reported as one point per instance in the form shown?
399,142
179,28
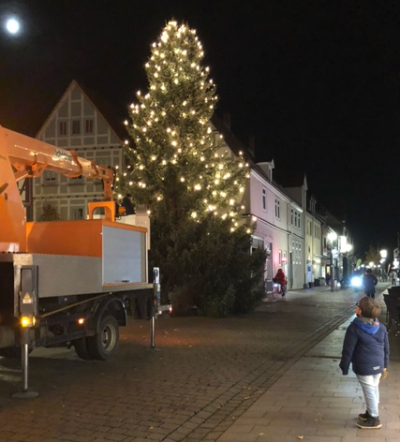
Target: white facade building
279,226
314,259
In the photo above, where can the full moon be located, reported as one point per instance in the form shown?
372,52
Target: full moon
12,26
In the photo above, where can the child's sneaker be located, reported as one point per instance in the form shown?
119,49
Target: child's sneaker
372,423
364,416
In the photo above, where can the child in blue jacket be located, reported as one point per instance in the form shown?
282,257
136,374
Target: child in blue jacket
366,346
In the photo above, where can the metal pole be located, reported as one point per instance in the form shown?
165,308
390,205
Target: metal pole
152,331
25,393
155,305
25,357
332,273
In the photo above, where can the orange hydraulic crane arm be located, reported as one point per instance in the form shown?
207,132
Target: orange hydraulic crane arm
30,157
22,156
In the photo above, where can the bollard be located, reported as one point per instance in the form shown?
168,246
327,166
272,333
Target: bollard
25,393
155,305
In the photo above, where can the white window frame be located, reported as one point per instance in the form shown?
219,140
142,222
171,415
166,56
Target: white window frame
277,209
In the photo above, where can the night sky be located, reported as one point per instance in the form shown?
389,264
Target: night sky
316,83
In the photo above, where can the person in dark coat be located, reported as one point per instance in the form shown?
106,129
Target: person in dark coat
366,347
369,283
281,279
127,204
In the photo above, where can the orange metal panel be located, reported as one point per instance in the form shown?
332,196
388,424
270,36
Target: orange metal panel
79,238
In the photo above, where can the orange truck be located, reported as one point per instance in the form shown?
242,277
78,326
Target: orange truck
66,282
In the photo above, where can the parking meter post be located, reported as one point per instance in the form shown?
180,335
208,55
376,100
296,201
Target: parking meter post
155,304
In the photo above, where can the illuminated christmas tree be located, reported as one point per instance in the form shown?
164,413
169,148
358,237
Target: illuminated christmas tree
177,165
176,161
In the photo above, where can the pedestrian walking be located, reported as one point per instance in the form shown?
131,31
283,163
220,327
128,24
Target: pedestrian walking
366,347
393,275
281,280
369,283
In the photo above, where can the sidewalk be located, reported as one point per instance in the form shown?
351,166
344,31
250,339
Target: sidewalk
314,402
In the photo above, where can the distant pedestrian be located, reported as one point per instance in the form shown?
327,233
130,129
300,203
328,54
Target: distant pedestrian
366,347
127,204
393,275
369,283
328,279
281,279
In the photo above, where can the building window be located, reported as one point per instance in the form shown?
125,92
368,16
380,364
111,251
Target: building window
297,218
89,126
291,217
76,127
62,128
264,200
280,258
277,209
308,227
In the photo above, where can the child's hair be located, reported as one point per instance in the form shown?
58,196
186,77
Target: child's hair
369,308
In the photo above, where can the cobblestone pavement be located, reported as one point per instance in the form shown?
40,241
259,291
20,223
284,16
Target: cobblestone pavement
203,374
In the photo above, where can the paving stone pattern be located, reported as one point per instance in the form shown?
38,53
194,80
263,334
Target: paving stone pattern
204,377
314,402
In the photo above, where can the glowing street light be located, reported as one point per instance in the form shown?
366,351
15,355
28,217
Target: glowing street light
332,236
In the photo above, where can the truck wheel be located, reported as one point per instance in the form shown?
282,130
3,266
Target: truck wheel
105,343
81,348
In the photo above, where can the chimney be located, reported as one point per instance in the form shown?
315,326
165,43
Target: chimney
226,119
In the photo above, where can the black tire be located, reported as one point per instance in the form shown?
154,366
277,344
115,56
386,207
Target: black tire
104,344
81,348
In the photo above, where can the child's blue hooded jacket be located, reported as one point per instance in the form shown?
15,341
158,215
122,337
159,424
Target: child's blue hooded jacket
366,346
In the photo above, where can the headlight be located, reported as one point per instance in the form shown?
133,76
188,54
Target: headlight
356,281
